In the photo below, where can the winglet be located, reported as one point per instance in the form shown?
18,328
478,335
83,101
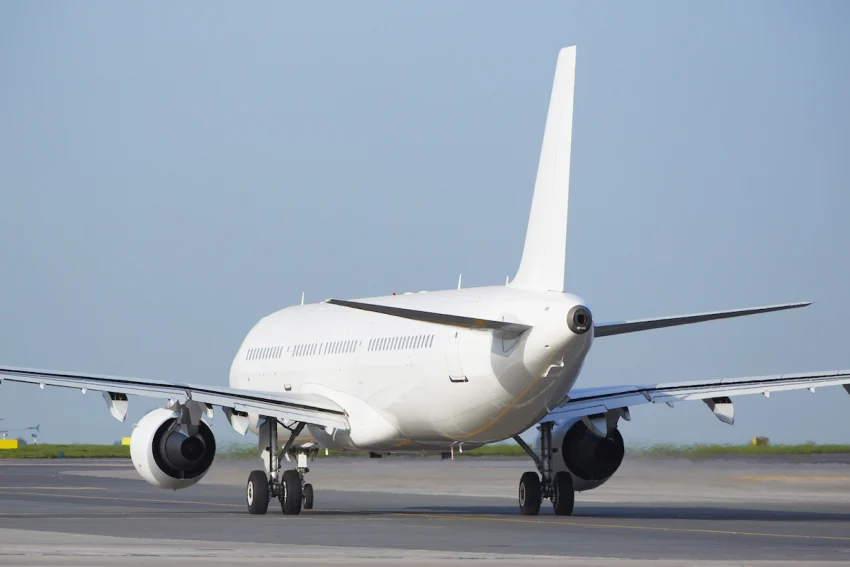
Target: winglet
543,257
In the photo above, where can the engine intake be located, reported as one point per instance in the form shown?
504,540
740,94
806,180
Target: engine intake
591,458
166,454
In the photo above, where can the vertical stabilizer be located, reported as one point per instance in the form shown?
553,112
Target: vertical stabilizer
542,264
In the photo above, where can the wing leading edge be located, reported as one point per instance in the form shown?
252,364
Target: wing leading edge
306,408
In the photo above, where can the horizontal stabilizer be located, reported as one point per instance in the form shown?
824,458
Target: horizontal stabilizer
431,317
619,328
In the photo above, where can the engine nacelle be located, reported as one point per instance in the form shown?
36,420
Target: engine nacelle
590,458
167,454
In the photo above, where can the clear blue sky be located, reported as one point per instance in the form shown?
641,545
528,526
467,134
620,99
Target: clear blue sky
170,173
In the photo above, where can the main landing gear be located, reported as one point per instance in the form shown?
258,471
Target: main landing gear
533,488
288,486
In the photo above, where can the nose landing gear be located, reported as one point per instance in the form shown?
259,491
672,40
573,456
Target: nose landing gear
533,488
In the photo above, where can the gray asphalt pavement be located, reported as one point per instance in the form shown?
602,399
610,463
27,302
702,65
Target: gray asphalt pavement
426,512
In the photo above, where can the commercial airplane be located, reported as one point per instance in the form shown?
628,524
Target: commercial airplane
427,371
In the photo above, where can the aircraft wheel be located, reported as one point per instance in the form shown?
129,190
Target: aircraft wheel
290,495
563,494
257,492
308,496
530,494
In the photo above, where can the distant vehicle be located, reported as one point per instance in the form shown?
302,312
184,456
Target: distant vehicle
434,371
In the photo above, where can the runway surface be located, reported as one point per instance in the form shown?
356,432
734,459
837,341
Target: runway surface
414,511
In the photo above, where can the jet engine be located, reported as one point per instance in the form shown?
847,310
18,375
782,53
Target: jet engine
170,453
591,458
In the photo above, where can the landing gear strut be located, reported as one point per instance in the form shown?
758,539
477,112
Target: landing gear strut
287,486
533,488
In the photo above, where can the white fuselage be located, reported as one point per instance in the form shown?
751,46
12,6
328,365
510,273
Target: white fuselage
411,385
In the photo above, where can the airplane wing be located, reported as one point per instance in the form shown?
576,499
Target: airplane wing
596,403
236,404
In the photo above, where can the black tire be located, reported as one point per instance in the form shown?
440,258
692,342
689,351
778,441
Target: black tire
308,496
290,493
563,494
257,492
530,494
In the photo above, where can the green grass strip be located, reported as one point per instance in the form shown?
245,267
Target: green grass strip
68,452
244,451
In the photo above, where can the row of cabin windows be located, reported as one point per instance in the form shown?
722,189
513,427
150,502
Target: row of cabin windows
341,347
399,343
264,353
333,347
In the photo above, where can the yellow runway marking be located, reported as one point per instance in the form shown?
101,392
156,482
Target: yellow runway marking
768,478
619,526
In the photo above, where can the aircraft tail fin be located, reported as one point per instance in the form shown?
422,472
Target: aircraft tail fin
543,258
